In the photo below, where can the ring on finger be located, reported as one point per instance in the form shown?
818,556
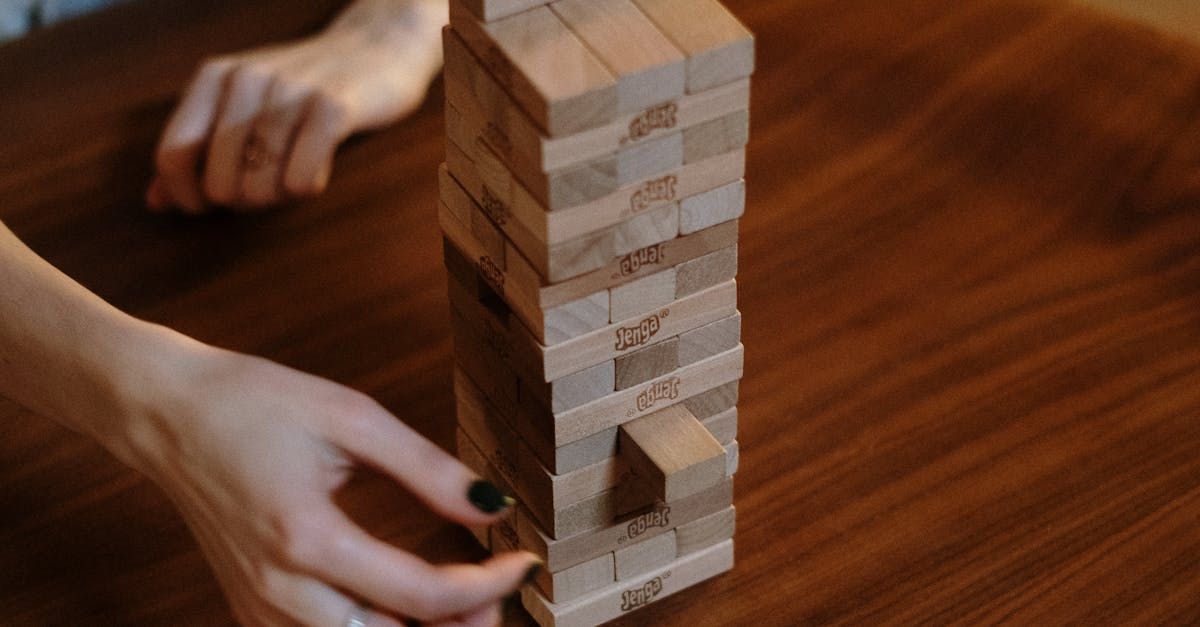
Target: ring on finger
358,616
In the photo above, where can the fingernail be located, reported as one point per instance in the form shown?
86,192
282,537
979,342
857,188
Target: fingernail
487,498
532,573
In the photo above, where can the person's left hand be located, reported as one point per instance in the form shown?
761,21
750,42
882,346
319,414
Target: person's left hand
259,128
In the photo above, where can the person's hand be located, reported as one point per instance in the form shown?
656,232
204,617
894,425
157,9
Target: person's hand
260,128
251,453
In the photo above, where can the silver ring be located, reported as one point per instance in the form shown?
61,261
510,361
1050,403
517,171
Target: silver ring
358,616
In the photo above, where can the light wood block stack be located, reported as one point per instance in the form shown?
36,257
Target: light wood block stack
590,202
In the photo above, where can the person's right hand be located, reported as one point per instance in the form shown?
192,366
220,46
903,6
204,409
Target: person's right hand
251,452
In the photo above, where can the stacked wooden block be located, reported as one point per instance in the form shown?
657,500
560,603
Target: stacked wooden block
590,203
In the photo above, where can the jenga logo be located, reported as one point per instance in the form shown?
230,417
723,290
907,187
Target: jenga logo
652,119
494,207
637,597
491,273
642,258
640,333
646,522
667,389
660,190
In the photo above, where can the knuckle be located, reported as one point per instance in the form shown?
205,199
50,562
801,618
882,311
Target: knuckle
335,112
299,540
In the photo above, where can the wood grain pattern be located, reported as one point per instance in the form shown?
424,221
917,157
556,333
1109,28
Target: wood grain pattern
973,365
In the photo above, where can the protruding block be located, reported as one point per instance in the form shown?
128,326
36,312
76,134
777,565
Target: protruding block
544,67
576,581
719,48
624,597
709,340
673,453
705,532
643,557
642,296
713,207
648,363
649,69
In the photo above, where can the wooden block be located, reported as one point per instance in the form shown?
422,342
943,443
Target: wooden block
591,512
546,69
504,448
621,407
491,10
576,318
472,458
723,426
504,535
576,581
577,389
652,521
732,458
648,363
704,272
719,48
624,597
640,263
711,339
671,450
717,137
713,207
661,179
478,359
649,69
489,236
643,557
641,296
549,363
558,460
715,401
530,154
705,532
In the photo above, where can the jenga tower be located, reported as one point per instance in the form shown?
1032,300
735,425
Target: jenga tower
590,198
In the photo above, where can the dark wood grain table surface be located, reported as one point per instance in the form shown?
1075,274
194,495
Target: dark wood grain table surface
972,389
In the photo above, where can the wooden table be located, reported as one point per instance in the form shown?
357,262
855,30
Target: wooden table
973,382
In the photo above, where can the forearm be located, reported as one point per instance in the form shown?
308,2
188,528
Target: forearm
67,354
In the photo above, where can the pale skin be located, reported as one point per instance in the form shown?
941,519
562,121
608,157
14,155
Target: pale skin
260,128
251,452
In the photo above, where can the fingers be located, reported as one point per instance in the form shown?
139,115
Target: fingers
488,616
447,486
310,164
395,581
306,601
269,143
186,137
241,105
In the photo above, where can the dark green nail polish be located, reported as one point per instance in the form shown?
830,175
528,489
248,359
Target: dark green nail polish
532,573
486,497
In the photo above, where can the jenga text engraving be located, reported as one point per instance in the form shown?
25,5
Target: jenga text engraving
497,140
496,340
640,333
494,207
641,258
508,532
648,521
491,273
637,597
667,389
652,119
503,464
658,190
